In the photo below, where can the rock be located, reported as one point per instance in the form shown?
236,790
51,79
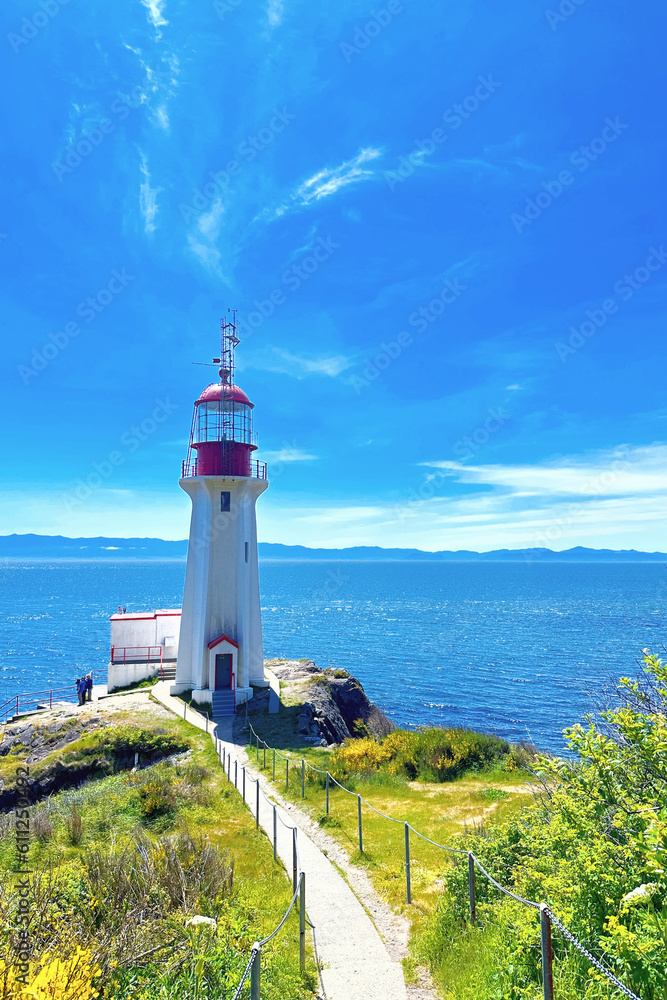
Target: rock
334,704
7,744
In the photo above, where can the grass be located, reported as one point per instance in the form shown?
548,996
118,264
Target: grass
441,811
191,796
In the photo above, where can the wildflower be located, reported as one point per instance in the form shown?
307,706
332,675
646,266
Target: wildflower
198,919
642,894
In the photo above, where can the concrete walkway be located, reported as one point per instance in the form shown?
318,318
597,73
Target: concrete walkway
355,962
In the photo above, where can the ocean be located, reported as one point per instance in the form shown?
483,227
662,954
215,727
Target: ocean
521,650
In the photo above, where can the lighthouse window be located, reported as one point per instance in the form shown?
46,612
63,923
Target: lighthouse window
224,501
224,421
247,550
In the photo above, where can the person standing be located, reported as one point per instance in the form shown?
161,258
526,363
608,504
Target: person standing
79,694
89,686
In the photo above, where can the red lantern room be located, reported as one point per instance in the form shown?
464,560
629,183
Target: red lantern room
221,438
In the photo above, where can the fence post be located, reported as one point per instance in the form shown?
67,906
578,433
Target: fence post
471,886
303,778
286,774
275,834
547,956
274,766
185,708
407,863
255,972
207,722
244,786
327,780
302,923
361,839
236,774
257,749
264,764
50,699
294,859
257,807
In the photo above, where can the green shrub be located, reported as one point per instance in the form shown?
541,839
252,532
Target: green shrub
594,848
427,754
156,798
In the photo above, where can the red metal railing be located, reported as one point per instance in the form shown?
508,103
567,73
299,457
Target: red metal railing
36,699
258,469
136,654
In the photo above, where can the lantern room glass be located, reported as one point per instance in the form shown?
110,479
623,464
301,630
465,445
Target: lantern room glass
223,420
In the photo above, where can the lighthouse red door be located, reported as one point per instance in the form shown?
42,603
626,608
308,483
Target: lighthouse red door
223,671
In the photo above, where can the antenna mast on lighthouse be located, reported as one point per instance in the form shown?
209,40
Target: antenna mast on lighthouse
228,342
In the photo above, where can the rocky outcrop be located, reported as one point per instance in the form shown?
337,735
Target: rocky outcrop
333,703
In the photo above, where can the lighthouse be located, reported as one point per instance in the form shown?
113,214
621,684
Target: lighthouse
220,656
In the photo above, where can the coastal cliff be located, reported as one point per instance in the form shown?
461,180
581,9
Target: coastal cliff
333,704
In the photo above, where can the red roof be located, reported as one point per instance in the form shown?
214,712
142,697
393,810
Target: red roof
222,638
220,390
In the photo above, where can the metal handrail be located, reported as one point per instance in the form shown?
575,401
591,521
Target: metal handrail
258,470
129,650
33,697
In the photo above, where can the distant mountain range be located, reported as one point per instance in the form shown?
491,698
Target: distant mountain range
59,547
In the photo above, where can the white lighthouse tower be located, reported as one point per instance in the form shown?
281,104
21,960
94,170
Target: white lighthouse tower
220,646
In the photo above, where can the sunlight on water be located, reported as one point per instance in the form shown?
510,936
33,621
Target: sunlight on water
521,650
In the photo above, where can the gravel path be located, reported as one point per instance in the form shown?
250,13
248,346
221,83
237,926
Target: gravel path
360,940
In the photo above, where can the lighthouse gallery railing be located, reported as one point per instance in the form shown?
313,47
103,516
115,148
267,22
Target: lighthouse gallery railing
257,470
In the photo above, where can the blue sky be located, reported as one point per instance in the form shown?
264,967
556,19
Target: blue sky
443,227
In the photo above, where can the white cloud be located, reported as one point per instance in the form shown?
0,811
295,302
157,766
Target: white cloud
288,453
154,8
621,472
148,198
275,12
613,499
329,180
207,255
285,363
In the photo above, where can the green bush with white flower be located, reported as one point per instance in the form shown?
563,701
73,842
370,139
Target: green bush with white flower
594,847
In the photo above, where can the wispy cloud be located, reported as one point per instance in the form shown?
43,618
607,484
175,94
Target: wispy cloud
621,472
331,179
298,366
147,198
614,499
275,11
288,453
154,8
